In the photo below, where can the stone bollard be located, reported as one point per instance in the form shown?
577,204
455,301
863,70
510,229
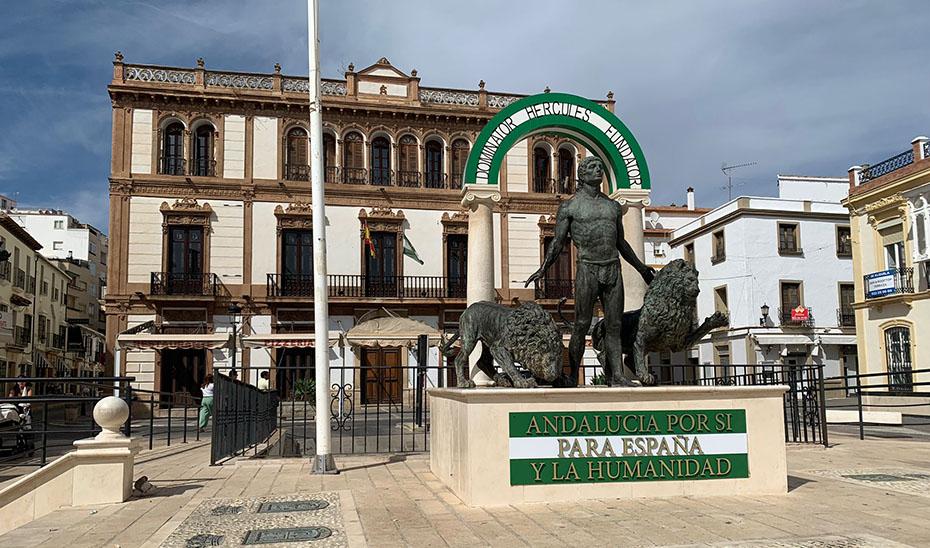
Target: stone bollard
104,469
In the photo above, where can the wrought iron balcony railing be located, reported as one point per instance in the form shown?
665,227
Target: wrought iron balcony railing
203,167
789,318
887,166
396,287
408,179
554,289
434,179
331,174
354,175
846,316
174,283
543,184
171,165
565,185
297,172
889,282
290,285
381,176
22,336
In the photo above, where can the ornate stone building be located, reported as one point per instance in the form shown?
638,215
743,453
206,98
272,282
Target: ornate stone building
209,207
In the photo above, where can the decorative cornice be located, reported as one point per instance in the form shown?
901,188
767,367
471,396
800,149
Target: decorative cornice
185,211
298,215
382,213
886,202
457,217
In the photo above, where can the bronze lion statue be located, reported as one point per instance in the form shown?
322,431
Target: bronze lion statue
526,335
666,322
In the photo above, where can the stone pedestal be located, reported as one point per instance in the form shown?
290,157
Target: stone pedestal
633,202
499,446
479,200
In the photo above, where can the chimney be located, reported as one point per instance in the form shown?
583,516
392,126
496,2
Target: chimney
690,198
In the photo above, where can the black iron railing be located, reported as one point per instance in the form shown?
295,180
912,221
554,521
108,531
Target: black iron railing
395,287
554,289
244,417
203,167
887,166
22,336
889,282
381,176
543,184
297,172
795,318
434,179
331,174
354,175
846,317
174,283
171,165
408,179
290,285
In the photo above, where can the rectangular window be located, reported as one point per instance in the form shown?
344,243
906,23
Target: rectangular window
788,241
689,254
297,262
40,332
846,315
59,225
790,299
720,300
843,241
894,256
381,275
720,248
57,245
93,248
456,263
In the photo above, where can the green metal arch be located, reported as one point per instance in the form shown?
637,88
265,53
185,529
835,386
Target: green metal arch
587,133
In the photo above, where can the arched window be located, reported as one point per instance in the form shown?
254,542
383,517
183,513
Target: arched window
329,158
353,159
460,148
408,173
380,161
172,149
566,182
435,171
541,178
202,163
297,162
898,353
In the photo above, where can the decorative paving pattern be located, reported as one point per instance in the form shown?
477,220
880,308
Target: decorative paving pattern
286,521
826,541
911,482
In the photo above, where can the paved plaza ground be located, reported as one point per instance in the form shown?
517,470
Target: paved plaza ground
854,494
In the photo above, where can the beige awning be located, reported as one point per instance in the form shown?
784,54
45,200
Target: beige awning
777,339
165,341
391,331
837,339
287,340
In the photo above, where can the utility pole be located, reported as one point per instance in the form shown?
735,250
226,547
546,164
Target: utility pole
726,171
323,461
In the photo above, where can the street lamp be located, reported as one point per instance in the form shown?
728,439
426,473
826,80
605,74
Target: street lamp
763,321
234,311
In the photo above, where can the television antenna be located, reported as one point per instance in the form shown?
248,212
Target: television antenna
726,171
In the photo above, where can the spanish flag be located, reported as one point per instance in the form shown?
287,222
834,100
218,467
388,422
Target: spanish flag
367,238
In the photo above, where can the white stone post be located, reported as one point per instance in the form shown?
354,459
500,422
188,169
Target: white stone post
918,144
633,202
104,464
479,199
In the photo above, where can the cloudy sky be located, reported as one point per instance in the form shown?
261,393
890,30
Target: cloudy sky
799,87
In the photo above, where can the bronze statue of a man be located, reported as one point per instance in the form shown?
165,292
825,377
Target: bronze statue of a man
593,221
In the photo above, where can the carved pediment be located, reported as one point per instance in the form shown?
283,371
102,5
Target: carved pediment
457,223
546,226
381,218
886,202
185,211
297,215
384,69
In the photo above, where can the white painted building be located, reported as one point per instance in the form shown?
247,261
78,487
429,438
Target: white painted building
789,256
658,224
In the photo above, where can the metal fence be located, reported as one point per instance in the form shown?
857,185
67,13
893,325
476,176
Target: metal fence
43,420
243,417
865,393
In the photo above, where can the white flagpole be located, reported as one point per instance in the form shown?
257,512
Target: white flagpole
323,461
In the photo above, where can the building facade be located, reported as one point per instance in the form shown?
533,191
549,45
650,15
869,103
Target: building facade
209,207
888,205
781,268
78,248
659,222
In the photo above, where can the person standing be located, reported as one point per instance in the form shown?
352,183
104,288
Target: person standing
206,402
263,383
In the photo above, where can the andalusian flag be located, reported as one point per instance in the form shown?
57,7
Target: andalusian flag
367,239
410,251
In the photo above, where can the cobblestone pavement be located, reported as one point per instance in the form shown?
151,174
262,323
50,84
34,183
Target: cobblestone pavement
850,495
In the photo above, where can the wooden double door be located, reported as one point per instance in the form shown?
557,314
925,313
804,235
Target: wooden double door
382,376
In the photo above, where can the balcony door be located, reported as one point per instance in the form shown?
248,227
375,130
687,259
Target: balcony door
297,263
558,280
381,274
185,260
456,263
380,161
